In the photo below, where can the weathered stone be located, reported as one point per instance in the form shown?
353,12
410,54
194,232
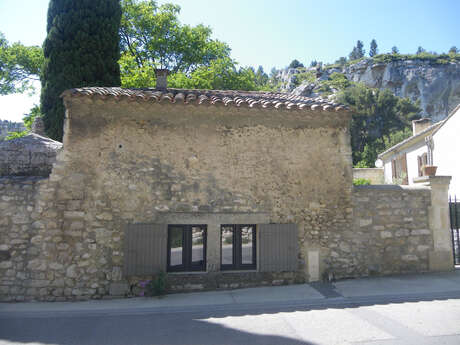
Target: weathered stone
5,264
4,255
74,214
71,271
37,265
38,283
386,234
55,266
118,289
365,222
409,257
420,232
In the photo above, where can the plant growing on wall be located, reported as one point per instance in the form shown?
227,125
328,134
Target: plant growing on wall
81,49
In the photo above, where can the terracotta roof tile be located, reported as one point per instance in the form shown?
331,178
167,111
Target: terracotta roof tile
251,99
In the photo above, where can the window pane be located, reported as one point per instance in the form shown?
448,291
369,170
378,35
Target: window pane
227,245
175,238
246,245
197,245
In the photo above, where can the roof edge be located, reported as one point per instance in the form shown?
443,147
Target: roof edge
413,139
243,99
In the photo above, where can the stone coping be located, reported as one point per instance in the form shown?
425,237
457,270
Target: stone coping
393,187
432,179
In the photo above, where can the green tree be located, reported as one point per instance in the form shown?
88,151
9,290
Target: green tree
358,51
29,118
152,36
221,74
295,64
261,78
420,50
20,66
81,49
394,50
376,115
341,61
453,50
373,48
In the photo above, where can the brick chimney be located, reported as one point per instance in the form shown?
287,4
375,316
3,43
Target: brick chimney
162,78
420,125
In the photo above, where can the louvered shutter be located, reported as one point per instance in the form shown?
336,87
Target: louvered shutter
404,174
393,169
278,247
419,164
145,249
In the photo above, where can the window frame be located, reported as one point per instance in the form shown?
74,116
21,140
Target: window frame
237,251
187,245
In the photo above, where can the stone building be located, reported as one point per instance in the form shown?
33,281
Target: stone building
220,189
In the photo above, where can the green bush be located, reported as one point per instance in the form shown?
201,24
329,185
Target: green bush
15,135
361,182
157,286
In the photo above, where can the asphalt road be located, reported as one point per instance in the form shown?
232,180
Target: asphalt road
375,321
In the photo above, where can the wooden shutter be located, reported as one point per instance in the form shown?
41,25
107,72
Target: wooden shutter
404,170
393,169
278,247
419,164
145,249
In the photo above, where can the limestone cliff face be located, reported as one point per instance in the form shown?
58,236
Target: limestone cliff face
436,86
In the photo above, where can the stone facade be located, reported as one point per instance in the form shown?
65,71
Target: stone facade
61,238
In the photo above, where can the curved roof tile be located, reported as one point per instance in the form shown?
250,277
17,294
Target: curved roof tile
252,99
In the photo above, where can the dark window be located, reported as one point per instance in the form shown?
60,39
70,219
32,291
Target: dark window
238,247
186,248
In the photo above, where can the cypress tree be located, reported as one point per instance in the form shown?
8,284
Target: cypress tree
373,51
81,49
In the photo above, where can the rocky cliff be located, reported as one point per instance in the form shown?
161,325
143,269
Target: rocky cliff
437,86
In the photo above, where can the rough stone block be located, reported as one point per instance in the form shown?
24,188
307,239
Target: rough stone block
74,214
440,261
118,289
365,222
420,232
386,234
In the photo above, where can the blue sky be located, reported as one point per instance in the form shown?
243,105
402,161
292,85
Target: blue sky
272,33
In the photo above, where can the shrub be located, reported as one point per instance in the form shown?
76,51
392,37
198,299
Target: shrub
15,135
156,286
361,182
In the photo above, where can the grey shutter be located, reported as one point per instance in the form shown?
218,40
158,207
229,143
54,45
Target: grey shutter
145,249
278,247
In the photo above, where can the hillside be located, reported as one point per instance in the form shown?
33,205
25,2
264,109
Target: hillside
435,85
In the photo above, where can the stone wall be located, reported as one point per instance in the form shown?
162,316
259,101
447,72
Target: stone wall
61,238
391,230
17,228
375,175
31,155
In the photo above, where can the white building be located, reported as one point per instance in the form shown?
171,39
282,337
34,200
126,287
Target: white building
431,144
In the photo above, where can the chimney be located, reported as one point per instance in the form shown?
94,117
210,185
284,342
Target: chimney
420,125
38,126
162,78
